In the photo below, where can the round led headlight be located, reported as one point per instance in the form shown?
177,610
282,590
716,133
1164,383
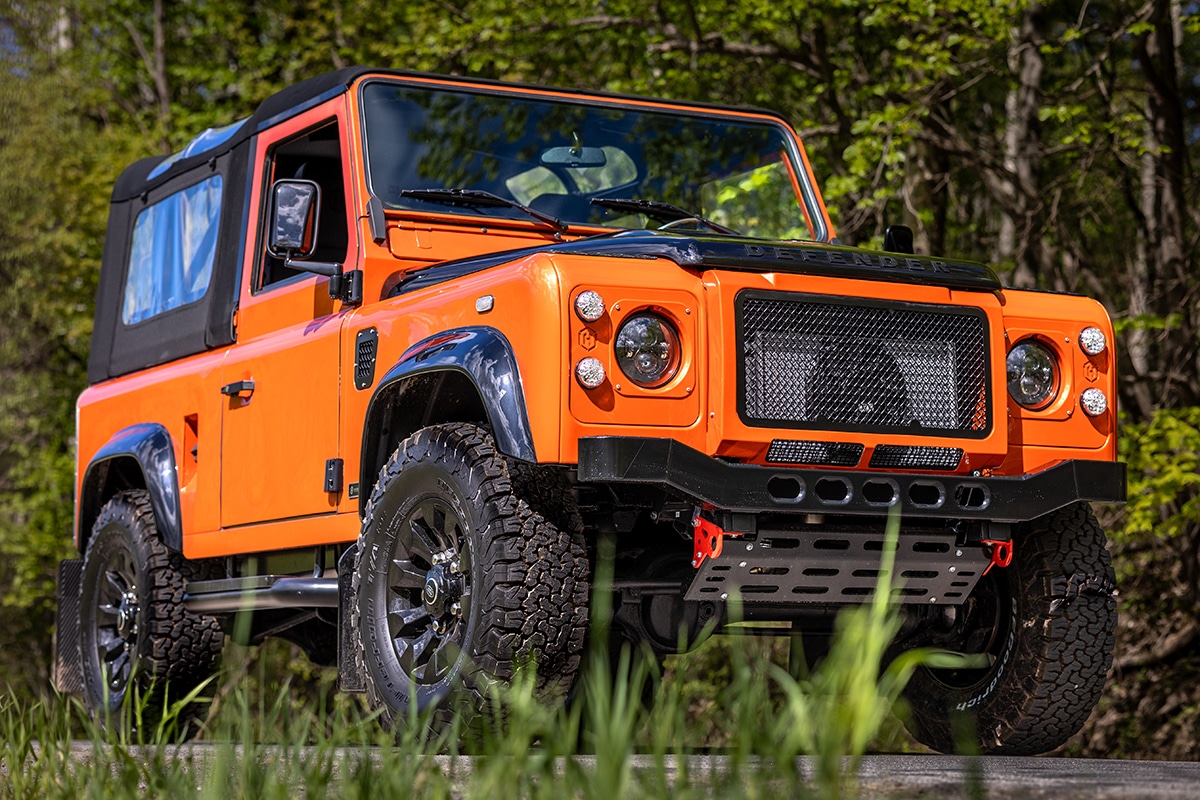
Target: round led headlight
589,306
647,350
589,372
1032,374
1094,402
1092,341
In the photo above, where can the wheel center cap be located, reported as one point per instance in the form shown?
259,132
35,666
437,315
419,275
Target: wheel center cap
436,592
432,591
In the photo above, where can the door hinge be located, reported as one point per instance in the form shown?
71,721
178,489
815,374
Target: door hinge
333,475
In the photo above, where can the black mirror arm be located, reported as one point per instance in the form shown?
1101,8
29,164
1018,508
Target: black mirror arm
343,286
327,268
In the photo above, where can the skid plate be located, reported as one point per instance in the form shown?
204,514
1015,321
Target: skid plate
839,567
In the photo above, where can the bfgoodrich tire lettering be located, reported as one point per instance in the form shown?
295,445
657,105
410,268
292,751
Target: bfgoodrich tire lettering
1052,615
134,630
459,583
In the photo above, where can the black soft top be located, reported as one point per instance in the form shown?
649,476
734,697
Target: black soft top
135,180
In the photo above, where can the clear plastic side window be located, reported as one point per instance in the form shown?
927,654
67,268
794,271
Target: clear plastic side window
174,245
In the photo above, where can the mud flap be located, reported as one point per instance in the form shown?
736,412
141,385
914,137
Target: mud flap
68,668
350,677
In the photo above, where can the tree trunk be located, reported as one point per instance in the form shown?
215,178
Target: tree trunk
926,196
1021,229
1171,286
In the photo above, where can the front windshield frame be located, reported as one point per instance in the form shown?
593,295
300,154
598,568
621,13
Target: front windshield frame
808,214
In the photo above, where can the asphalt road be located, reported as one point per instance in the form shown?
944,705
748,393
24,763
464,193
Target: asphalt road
1019,778
899,777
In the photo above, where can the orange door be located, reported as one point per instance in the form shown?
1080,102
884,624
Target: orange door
281,380
277,437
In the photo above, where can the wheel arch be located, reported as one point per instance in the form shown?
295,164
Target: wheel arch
141,456
466,374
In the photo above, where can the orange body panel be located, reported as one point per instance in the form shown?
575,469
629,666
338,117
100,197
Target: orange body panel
255,481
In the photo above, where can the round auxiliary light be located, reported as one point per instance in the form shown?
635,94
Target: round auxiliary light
1094,402
1092,341
589,306
647,349
589,372
1032,374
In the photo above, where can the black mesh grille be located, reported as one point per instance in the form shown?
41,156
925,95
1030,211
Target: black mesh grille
890,456
365,347
818,363
835,454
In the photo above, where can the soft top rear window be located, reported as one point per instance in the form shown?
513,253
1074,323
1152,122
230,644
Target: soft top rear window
174,244
556,156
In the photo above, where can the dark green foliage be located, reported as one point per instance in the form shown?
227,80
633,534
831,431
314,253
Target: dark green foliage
1056,141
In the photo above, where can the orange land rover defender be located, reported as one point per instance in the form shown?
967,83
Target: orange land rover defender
378,368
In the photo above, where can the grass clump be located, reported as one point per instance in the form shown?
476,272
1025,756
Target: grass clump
259,742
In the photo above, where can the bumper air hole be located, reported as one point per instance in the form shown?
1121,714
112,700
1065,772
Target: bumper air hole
924,574
785,490
821,572
833,491
926,494
880,493
972,495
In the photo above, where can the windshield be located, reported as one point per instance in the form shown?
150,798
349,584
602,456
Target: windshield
557,156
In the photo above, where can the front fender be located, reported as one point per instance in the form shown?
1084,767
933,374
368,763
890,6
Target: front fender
149,446
485,356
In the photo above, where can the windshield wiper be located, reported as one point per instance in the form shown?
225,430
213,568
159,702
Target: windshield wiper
478,198
658,210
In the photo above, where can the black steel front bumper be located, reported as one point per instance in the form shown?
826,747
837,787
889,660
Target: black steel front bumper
742,488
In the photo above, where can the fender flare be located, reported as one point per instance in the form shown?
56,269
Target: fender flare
149,445
485,356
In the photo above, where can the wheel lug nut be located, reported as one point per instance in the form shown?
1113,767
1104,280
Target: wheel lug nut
456,609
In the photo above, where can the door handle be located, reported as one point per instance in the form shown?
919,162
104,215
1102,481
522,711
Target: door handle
238,388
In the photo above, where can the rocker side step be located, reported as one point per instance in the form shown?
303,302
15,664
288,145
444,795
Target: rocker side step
260,591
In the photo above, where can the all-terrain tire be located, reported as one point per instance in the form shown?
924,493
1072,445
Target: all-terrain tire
459,584
1055,610
134,629
548,491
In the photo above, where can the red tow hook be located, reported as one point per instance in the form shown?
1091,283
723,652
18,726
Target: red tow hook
708,539
1000,551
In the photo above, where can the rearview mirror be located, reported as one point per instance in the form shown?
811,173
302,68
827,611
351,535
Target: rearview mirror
577,156
294,207
898,239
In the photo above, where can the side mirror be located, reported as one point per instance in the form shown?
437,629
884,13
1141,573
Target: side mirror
294,208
